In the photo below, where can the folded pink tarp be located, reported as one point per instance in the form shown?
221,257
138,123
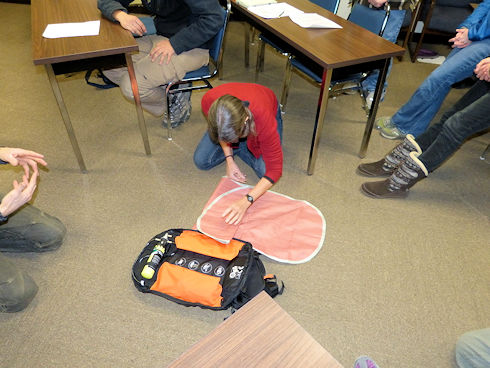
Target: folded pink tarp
278,226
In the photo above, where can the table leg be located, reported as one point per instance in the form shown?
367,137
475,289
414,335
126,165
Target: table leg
320,117
374,108
137,101
66,118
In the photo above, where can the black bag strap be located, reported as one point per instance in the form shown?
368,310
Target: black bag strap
272,286
108,83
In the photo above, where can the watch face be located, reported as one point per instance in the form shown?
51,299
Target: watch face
250,198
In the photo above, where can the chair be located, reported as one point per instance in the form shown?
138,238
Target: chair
440,18
373,20
202,74
330,5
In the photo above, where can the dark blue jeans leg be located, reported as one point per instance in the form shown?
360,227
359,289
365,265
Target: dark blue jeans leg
468,116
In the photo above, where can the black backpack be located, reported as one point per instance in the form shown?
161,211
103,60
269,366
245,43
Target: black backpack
192,269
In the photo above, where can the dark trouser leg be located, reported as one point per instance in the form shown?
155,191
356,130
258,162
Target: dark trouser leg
31,230
468,116
17,289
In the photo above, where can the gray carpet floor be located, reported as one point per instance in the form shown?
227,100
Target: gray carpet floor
398,280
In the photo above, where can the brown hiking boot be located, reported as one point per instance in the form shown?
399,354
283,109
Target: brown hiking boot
397,185
386,166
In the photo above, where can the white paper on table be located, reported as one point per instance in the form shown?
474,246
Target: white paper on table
271,11
249,3
58,30
313,20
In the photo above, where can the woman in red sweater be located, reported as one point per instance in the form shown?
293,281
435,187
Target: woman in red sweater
244,120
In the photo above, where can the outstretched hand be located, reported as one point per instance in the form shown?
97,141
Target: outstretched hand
26,159
234,173
20,195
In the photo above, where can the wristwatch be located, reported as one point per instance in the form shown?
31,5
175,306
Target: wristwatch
250,198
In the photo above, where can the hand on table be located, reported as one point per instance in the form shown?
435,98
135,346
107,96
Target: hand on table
130,22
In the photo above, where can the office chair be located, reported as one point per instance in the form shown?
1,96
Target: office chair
344,80
201,75
281,47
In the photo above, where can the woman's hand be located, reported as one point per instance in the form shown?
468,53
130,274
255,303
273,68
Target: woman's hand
233,172
20,195
234,214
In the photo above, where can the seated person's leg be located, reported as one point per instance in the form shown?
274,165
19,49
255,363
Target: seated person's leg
17,289
31,230
391,32
473,349
151,75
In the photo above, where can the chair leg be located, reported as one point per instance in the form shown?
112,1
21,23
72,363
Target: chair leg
259,64
426,25
167,116
248,29
484,154
285,84
411,28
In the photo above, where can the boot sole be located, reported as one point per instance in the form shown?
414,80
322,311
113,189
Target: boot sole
384,196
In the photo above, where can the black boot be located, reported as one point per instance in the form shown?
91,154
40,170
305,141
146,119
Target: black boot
386,166
396,186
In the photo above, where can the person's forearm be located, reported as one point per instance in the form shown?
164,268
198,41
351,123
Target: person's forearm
260,188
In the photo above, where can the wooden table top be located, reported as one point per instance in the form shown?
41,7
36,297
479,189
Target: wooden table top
260,334
112,38
330,48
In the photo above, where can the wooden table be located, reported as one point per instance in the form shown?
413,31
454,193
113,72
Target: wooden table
260,334
331,49
113,46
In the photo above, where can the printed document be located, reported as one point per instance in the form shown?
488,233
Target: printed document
271,11
59,30
312,20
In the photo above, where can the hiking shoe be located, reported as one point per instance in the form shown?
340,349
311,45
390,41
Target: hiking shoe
365,362
382,122
388,129
397,185
386,166
180,107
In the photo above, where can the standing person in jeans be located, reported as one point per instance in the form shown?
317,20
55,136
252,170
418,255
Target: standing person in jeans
244,120
414,158
397,15
23,228
184,31
470,45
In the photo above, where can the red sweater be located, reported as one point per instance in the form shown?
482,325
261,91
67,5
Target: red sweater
263,105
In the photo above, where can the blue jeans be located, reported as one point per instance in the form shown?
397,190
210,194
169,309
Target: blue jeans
209,154
417,113
391,32
27,230
473,349
467,117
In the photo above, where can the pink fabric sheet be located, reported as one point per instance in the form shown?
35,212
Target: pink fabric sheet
280,227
